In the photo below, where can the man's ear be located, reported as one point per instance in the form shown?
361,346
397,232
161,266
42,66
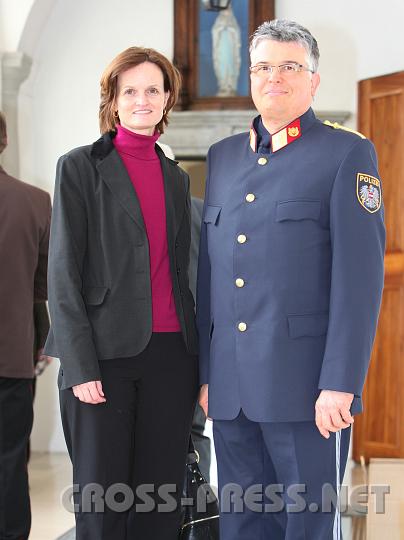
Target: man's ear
315,82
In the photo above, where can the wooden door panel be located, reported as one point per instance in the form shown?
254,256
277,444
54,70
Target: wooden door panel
381,422
379,431
385,134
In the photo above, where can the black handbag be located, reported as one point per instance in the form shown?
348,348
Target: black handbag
200,505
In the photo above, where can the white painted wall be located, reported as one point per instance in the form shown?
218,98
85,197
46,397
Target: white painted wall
74,42
13,14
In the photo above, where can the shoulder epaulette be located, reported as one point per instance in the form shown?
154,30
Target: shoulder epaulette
335,125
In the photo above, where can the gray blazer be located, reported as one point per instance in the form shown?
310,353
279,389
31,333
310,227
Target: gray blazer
99,272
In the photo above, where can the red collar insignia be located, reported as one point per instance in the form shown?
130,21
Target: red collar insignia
281,138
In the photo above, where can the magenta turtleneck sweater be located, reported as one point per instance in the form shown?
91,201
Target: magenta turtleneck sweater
143,165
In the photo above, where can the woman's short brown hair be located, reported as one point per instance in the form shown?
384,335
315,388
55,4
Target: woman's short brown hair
133,56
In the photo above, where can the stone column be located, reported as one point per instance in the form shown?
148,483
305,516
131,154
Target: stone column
15,68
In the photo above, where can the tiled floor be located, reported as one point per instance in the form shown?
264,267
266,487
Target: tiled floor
50,474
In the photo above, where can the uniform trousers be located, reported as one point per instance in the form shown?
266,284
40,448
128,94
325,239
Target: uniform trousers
16,417
135,443
302,469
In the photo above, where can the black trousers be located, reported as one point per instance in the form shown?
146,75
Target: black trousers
16,417
135,443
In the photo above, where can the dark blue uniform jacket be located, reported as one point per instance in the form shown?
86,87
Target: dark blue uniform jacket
302,314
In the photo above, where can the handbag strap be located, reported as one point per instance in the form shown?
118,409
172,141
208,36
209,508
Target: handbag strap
193,454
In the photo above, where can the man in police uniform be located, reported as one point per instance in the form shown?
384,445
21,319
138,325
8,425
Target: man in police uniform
289,288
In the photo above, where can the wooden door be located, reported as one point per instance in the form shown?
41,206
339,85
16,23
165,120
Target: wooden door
379,431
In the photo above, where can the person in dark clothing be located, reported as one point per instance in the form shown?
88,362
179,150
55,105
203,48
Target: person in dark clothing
24,236
122,314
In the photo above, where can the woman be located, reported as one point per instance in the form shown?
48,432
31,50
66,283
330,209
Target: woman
121,309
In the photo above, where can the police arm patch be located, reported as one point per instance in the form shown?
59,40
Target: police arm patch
369,192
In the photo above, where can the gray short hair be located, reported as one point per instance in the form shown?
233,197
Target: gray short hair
287,31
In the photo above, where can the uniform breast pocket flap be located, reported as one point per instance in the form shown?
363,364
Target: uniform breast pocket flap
95,296
212,214
298,210
313,325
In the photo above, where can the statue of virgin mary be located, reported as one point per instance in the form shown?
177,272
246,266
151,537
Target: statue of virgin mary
226,37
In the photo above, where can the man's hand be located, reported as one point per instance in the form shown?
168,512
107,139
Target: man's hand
332,411
89,392
203,398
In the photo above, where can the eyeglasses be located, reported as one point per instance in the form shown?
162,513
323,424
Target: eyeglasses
263,70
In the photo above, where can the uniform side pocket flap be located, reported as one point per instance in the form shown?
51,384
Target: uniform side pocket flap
212,214
308,325
94,296
297,210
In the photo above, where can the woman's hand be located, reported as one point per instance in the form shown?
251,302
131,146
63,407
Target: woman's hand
89,392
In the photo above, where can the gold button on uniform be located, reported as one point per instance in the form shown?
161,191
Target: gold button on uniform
242,326
240,282
241,238
262,161
250,197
